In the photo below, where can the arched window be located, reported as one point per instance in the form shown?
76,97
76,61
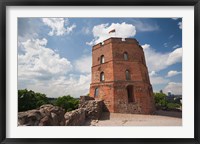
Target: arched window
128,77
125,56
102,78
102,59
96,92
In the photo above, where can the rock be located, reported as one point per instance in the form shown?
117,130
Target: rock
45,121
55,119
83,99
75,117
46,115
93,109
49,115
94,122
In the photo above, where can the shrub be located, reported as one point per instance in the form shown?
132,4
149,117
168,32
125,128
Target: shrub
67,102
28,100
172,106
160,100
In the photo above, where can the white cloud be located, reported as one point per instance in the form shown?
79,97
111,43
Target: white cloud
91,43
145,26
155,80
41,69
176,46
146,46
40,62
174,57
172,73
101,32
180,25
175,18
74,85
70,28
152,73
86,30
57,26
157,61
84,64
174,88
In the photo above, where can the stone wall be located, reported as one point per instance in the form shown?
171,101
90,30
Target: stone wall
93,109
75,117
83,99
46,115
49,115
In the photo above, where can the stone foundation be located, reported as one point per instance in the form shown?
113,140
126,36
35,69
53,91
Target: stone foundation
49,115
75,117
93,109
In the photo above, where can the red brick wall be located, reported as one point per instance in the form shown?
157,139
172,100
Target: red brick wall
107,68
106,93
114,89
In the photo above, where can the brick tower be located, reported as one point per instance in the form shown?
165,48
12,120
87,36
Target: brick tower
120,76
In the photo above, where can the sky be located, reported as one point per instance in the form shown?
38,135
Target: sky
55,54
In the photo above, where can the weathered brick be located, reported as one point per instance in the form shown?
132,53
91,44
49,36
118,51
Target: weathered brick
115,88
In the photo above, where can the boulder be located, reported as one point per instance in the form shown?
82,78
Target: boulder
93,109
46,115
49,115
75,117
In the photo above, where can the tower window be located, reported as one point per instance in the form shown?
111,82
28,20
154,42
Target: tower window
130,93
96,92
125,56
102,77
128,77
102,59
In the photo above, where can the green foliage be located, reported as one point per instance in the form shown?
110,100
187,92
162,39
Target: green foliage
173,105
160,99
28,100
52,101
67,102
162,102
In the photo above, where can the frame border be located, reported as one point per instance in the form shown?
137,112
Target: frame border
4,3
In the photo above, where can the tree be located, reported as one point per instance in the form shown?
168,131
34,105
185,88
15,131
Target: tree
67,102
162,102
160,99
28,100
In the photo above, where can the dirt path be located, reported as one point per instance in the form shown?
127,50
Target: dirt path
118,119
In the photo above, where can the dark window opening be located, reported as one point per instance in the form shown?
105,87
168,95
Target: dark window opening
128,77
102,59
96,92
130,94
102,77
125,56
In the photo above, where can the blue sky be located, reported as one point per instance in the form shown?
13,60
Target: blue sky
54,54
